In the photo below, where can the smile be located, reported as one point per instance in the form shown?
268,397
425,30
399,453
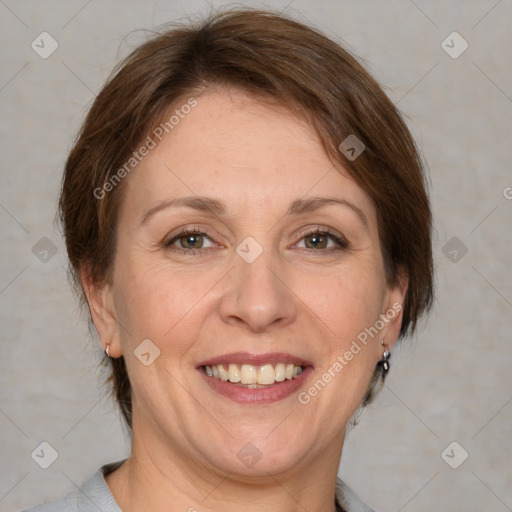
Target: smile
255,378
252,376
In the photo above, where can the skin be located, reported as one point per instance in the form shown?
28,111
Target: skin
307,299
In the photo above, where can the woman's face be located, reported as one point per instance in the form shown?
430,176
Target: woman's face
271,279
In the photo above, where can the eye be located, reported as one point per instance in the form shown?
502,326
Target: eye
189,241
194,240
317,239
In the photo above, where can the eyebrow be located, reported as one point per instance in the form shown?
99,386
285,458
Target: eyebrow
210,205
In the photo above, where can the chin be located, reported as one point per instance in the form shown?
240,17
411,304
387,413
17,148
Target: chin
257,454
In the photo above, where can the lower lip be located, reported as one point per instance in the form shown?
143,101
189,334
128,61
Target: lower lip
266,395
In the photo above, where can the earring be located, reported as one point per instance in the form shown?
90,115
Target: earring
384,362
106,350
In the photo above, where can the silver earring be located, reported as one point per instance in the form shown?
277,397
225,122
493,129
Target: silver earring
106,350
384,362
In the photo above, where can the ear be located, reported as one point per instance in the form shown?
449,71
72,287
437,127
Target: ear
101,305
394,305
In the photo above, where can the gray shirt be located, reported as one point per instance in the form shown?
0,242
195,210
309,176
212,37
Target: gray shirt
95,496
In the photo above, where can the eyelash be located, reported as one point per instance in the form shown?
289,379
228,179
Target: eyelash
339,240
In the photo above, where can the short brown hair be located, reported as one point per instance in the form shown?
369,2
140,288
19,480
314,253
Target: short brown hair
275,58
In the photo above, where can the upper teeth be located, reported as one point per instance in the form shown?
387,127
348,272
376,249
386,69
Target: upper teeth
250,374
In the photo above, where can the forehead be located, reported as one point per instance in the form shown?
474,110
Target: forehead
232,146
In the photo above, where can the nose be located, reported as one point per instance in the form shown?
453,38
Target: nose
259,295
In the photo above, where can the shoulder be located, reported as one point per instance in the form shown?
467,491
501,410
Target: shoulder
92,496
349,500
68,503
95,495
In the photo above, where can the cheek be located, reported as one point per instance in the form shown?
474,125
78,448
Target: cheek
346,302
158,302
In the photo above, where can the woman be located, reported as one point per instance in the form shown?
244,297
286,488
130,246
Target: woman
246,216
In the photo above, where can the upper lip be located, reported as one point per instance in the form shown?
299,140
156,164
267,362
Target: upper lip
255,359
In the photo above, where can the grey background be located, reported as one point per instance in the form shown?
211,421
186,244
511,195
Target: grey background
452,383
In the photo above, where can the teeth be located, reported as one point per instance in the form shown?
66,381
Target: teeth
254,376
234,373
249,374
266,374
224,375
280,372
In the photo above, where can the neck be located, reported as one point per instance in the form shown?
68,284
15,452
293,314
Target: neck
153,479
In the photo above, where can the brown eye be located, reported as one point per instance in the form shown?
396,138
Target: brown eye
192,241
318,240
188,241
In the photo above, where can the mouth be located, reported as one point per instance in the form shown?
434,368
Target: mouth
251,376
255,378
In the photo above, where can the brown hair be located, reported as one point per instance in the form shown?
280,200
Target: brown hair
275,58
